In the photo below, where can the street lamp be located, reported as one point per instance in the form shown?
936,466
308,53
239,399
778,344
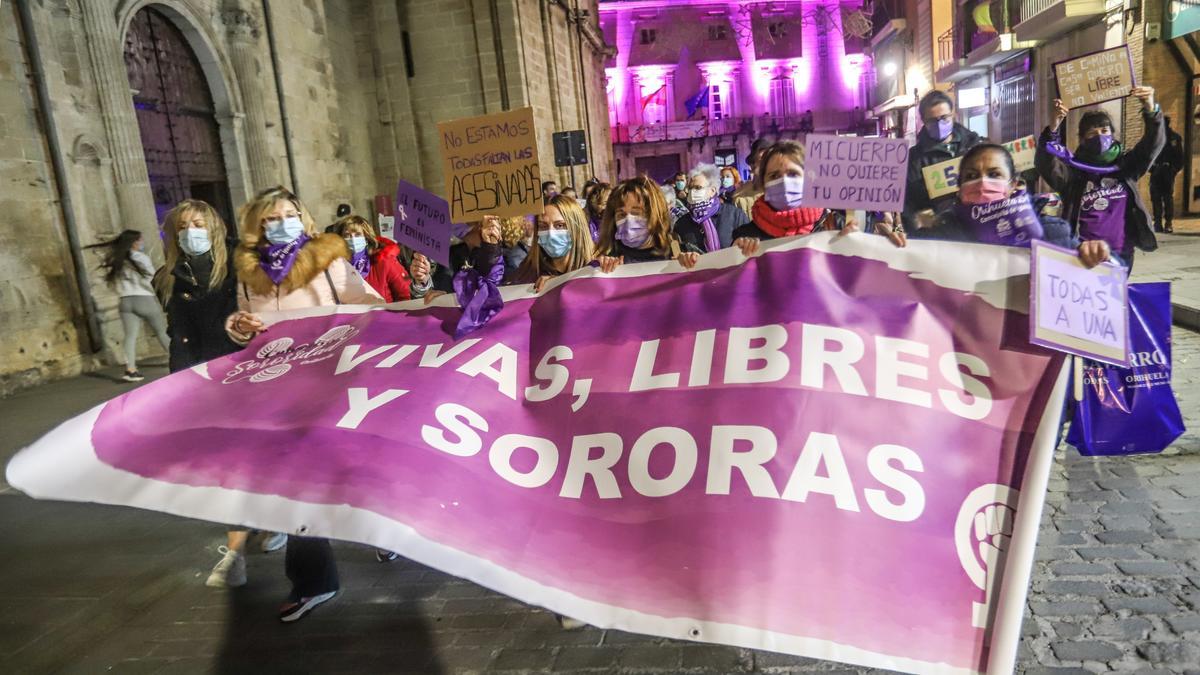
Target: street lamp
889,68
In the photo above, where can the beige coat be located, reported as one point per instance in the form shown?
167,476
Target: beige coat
305,285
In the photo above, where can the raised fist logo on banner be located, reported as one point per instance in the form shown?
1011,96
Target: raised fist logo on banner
981,534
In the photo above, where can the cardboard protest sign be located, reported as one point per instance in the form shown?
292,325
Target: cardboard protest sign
1095,78
423,222
1022,151
1078,310
491,165
942,178
848,172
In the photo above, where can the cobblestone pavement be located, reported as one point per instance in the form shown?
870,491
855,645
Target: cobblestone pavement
91,589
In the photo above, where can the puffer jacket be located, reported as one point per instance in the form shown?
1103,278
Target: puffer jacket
388,276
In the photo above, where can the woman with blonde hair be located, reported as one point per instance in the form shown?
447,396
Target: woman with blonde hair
636,226
564,243
283,263
197,285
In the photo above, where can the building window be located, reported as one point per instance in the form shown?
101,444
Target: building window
649,36
718,101
655,109
783,96
777,30
718,31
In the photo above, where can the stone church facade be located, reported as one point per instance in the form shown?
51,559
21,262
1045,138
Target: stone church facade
113,110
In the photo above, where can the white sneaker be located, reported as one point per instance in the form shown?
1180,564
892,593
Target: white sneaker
273,542
230,571
567,623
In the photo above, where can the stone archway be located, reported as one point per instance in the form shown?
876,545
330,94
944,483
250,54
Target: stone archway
176,115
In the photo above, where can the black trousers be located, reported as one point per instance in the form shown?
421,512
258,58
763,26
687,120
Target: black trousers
310,566
1162,187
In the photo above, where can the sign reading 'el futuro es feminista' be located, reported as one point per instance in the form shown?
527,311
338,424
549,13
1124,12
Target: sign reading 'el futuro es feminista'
491,165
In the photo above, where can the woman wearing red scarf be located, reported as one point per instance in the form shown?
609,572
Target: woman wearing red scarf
779,212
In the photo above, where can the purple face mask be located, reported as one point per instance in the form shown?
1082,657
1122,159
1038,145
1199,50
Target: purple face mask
1099,144
941,130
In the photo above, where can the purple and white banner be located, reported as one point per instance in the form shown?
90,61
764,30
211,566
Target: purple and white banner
836,448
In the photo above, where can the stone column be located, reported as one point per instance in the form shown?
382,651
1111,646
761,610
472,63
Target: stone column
244,49
106,53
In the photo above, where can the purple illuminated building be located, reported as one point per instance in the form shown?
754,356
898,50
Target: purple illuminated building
697,81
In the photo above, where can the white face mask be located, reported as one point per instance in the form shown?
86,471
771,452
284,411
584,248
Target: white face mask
698,196
194,241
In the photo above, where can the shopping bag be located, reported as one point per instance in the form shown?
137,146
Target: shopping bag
1127,411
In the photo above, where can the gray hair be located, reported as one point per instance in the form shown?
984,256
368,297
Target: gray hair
709,171
668,192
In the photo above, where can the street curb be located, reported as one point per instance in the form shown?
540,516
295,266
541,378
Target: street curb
1185,316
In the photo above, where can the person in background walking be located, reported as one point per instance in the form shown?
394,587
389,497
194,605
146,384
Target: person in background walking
1162,179
197,285
730,181
679,183
129,272
749,191
283,263
941,139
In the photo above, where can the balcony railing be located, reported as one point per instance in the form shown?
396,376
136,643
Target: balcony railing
947,54
823,121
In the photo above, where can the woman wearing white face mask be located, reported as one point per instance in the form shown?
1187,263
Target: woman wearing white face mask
709,223
375,258
198,286
780,212
636,227
564,244
283,263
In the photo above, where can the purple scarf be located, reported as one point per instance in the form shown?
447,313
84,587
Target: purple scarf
703,215
479,297
277,259
362,262
1008,222
1060,151
594,226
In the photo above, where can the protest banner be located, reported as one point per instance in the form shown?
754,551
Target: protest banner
941,178
491,165
423,222
1094,78
1022,151
1078,310
849,172
625,449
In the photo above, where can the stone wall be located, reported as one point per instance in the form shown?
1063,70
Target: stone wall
360,117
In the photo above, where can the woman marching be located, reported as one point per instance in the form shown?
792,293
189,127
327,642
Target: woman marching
564,244
129,272
375,258
636,227
283,263
710,223
197,286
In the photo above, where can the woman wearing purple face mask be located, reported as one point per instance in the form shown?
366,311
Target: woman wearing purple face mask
992,208
636,226
1098,182
781,212
940,139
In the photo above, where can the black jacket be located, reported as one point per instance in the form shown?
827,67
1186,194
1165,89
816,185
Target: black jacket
1132,165
196,314
948,227
1170,159
928,152
727,219
637,255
